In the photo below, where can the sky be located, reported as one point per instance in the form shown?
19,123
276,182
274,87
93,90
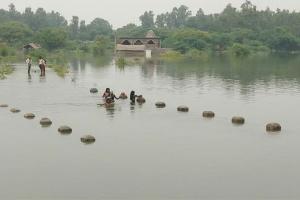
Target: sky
122,12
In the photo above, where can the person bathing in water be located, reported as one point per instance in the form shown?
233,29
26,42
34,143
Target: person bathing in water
106,93
133,96
113,96
109,96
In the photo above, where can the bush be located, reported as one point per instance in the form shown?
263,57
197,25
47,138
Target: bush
6,51
5,70
172,56
196,55
240,50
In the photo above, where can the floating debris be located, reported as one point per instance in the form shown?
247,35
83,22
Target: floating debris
3,105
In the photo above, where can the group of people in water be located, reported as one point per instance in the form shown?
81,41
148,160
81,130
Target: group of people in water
41,62
109,96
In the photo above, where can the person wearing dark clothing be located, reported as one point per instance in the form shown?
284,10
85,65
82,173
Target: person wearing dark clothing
133,97
112,97
42,66
109,100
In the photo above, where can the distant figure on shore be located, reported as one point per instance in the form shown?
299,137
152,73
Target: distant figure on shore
29,63
42,66
133,97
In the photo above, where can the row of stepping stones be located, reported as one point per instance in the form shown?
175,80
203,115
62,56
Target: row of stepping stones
46,122
270,127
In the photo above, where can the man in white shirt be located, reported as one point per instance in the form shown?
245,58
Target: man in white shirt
29,62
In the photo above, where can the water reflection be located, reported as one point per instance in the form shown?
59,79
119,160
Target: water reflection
42,79
220,71
29,78
110,110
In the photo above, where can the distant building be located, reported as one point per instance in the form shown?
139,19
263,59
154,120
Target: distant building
31,46
138,44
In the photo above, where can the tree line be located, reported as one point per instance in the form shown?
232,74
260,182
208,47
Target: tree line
240,30
50,29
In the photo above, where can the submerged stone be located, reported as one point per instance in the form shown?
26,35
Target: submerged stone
238,120
160,104
141,100
29,116
15,110
45,122
273,127
123,96
88,139
208,114
183,109
93,90
65,130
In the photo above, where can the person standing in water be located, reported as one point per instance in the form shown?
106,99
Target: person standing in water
29,63
43,67
113,96
133,96
40,65
106,94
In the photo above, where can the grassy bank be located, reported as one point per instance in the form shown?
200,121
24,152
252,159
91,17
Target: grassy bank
60,70
5,70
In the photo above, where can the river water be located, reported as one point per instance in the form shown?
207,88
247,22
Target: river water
142,152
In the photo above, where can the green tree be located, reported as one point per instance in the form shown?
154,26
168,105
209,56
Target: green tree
101,45
184,39
40,19
54,19
52,38
281,39
99,27
160,21
147,20
183,13
14,32
240,50
13,13
74,27
28,17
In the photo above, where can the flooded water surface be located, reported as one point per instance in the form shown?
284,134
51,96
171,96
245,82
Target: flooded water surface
142,152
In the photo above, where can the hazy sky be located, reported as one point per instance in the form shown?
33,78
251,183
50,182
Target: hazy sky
122,12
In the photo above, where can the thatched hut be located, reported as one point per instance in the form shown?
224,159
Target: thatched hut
31,46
